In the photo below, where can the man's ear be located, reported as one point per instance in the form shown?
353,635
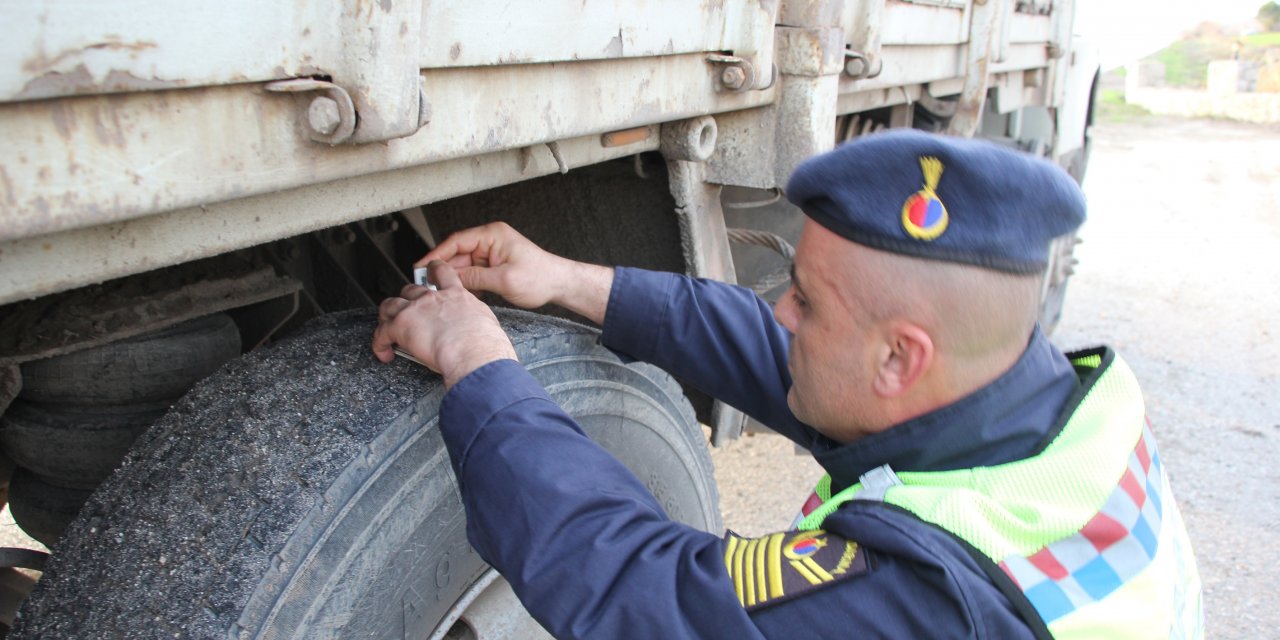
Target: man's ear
905,357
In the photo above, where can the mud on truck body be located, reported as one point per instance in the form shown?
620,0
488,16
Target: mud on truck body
200,204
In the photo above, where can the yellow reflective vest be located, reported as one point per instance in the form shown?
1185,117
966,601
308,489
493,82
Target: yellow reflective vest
1087,530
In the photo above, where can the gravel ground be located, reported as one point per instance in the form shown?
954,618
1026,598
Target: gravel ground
1178,272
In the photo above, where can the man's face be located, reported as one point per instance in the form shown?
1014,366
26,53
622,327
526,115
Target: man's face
832,348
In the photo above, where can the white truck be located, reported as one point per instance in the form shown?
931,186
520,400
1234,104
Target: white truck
200,203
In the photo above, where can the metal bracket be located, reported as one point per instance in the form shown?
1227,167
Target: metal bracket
982,25
739,74
755,204
331,116
860,66
372,85
940,108
693,140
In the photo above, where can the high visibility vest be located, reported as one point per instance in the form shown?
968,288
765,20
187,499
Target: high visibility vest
1086,531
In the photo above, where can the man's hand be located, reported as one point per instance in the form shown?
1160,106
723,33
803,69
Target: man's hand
496,258
449,330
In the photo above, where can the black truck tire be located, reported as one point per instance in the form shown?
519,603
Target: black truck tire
71,446
303,491
152,367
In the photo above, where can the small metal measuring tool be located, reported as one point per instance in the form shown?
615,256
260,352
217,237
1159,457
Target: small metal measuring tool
420,279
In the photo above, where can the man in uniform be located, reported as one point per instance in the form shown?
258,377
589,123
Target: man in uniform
980,482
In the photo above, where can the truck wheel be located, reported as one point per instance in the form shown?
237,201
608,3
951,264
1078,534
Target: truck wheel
303,491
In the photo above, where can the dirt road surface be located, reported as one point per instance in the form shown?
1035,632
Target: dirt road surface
1180,272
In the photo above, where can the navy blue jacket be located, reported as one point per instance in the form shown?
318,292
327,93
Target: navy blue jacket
609,563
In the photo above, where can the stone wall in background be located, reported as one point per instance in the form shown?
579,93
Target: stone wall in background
1222,97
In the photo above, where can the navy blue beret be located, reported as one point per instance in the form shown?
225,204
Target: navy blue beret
941,198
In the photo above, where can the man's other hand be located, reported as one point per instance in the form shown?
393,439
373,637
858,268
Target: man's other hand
449,330
496,258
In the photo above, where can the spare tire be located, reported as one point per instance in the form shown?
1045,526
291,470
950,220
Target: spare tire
152,367
304,491
70,446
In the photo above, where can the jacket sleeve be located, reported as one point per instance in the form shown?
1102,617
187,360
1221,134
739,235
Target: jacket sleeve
719,338
591,554
586,548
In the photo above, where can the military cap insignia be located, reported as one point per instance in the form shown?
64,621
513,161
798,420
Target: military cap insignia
782,566
923,214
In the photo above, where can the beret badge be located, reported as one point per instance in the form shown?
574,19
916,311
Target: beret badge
923,215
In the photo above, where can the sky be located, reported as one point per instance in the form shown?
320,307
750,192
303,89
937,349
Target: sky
1125,30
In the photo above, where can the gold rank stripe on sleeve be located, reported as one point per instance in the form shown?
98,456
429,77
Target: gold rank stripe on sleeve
780,566
811,571
755,566
775,568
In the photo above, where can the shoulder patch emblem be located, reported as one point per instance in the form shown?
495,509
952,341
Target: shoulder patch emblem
782,566
923,214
